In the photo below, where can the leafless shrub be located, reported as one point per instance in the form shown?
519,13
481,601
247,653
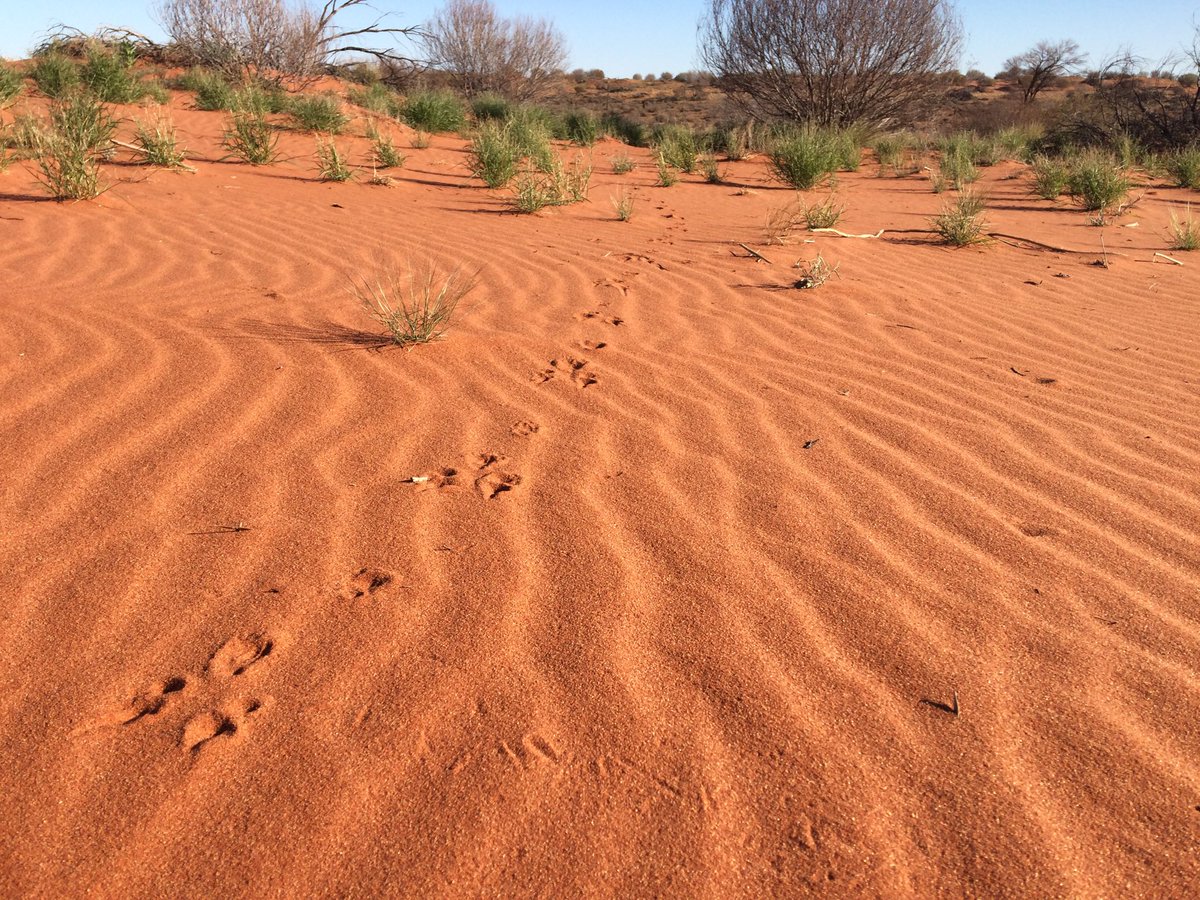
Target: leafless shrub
271,39
1040,65
516,58
832,62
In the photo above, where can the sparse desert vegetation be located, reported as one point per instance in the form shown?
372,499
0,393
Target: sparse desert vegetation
649,568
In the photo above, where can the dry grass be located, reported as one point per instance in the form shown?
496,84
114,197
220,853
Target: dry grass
415,306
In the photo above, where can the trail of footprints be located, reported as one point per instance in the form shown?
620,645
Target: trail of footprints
226,718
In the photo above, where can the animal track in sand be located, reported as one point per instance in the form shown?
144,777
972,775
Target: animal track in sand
532,749
365,583
568,367
148,702
212,724
593,314
1035,530
492,480
524,428
238,654
593,345
222,717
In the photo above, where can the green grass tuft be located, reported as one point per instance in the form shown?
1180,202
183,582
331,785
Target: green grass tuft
55,75
331,165
434,111
961,221
251,138
321,114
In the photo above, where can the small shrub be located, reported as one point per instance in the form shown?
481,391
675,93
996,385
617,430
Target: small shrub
622,165
377,97
1185,232
528,130
496,158
678,147
55,75
1016,141
420,140
1050,177
414,307
321,114
156,91
815,272
535,189
805,159
110,77
1097,182
160,144
258,100
956,168
434,111
822,215
624,130
69,149
961,221
331,165
212,91
11,84
623,204
890,151
712,172
1184,167
582,128
847,146
487,107
531,192
251,138
666,175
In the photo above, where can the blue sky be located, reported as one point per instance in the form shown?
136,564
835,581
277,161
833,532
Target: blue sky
622,37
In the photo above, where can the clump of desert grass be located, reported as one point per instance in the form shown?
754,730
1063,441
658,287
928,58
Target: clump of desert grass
667,176
331,164
11,84
623,205
69,148
824,214
415,305
159,143
554,185
1097,182
1184,230
495,155
434,111
582,127
622,164
678,147
384,151
961,221
1051,177
711,170
1184,167
420,139
781,220
807,157
322,114
212,91
55,75
251,138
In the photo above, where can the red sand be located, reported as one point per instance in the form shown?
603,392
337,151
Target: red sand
686,652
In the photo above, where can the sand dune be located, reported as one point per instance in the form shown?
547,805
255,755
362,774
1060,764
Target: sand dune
693,570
